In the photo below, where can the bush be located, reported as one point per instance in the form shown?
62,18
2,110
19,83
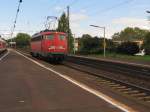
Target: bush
129,48
147,50
22,40
89,45
146,45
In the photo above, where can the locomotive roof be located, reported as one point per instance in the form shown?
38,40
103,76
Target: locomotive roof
46,32
2,40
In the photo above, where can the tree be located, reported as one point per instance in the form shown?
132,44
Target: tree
130,34
63,27
129,48
146,45
110,46
116,36
63,23
94,45
22,39
89,45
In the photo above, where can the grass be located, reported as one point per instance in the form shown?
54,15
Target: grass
123,57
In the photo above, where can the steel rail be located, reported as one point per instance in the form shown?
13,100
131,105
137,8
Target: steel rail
127,69
117,81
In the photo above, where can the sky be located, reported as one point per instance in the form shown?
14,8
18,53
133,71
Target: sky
115,15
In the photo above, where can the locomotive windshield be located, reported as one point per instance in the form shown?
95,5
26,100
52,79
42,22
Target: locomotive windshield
50,36
62,37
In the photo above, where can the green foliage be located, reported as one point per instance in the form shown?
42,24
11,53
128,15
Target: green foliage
129,48
94,45
9,40
89,45
63,24
130,34
63,27
147,44
110,46
70,42
22,39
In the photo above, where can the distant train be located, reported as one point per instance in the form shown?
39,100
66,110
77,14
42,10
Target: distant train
49,44
3,45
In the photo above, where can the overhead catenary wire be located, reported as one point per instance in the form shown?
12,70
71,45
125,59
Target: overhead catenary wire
62,10
45,23
73,2
16,17
112,7
65,7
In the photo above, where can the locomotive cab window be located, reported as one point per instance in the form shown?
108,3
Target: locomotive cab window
62,37
50,36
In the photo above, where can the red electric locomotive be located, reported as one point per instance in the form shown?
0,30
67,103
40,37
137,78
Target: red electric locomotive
2,45
49,44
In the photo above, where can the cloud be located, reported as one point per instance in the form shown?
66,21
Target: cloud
132,22
83,11
77,20
80,30
78,17
80,26
58,8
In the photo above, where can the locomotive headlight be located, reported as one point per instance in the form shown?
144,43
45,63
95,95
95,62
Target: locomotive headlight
61,47
51,47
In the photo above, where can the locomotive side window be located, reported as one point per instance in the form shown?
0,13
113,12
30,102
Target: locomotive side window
62,37
36,38
50,36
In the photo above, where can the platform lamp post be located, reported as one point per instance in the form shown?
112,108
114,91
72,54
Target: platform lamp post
148,13
74,46
104,42
149,16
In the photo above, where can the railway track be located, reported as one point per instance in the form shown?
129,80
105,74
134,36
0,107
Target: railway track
142,72
101,70
106,77
133,90
2,52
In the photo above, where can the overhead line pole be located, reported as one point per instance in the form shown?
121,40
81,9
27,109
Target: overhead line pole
74,50
68,17
104,39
